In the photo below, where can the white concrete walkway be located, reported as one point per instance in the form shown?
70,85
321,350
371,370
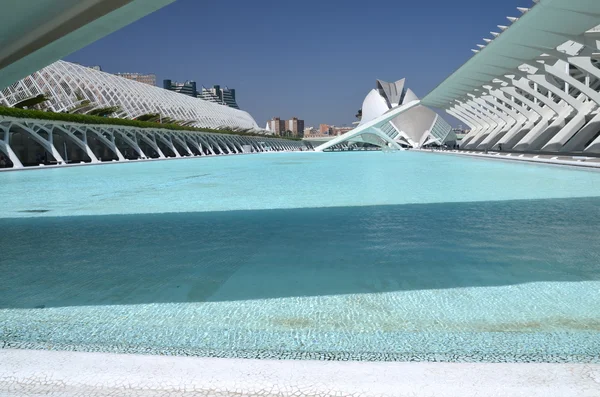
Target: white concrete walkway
50,373
558,159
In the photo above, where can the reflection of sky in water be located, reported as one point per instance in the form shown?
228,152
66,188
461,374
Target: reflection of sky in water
513,280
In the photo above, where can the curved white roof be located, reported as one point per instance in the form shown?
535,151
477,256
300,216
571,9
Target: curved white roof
545,26
68,85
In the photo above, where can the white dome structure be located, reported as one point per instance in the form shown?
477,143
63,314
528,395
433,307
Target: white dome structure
410,125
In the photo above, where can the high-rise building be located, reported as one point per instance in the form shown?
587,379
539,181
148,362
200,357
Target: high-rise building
139,77
187,88
224,96
277,126
295,126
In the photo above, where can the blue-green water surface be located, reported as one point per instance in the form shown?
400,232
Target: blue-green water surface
364,256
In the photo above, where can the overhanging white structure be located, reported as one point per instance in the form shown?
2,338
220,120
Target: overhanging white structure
533,85
68,86
35,33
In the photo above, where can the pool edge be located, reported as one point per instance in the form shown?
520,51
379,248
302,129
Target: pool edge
27,372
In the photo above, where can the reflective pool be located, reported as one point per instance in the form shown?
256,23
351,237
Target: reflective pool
364,256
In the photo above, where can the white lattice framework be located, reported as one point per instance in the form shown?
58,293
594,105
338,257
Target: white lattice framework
68,85
534,85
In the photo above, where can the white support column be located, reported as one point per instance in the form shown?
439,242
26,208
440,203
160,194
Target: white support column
151,140
5,146
487,124
81,143
514,121
202,139
165,137
575,127
130,137
556,141
546,114
217,144
48,145
527,119
476,126
496,123
536,138
110,143
226,144
507,120
177,137
233,140
191,138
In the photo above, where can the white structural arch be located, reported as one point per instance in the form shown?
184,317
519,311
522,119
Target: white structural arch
33,142
70,86
534,86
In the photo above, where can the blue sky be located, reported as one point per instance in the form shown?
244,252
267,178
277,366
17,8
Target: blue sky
312,59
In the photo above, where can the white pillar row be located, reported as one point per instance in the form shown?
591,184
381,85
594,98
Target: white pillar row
48,144
487,123
471,125
131,139
534,140
489,111
481,125
166,139
515,122
528,118
546,115
150,139
555,141
177,136
477,126
507,121
231,148
223,148
255,145
476,111
575,135
81,143
110,143
236,143
218,145
5,146
191,139
202,138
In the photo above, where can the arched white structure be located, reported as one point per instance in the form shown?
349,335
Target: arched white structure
36,33
28,142
69,85
533,87
414,126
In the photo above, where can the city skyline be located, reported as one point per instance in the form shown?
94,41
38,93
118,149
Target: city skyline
323,69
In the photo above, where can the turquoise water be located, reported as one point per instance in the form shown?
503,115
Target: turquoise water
364,256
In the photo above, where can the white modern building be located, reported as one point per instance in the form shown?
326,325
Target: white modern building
72,88
78,89
224,96
417,127
534,84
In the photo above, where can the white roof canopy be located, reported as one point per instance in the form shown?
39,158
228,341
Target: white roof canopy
546,25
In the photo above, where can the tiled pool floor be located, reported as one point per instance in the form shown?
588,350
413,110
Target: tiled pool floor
513,280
